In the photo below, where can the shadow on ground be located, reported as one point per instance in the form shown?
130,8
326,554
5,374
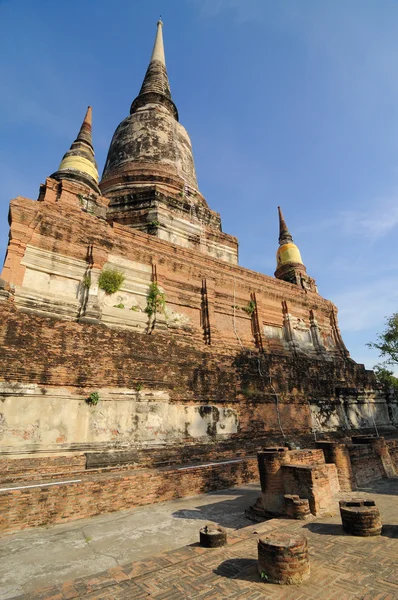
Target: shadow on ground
227,513
238,568
381,486
325,528
390,531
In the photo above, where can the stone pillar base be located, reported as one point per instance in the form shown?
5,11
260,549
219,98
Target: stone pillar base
296,507
360,517
212,536
283,559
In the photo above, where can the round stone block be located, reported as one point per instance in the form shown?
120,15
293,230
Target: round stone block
212,536
360,517
283,558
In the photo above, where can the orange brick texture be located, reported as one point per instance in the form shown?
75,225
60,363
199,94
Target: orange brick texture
105,493
84,357
231,372
296,508
283,558
360,517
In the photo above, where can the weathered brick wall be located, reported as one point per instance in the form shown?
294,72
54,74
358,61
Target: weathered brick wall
306,456
338,454
15,465
366,464
263,393
82,358
37,466
56,226
300,472
318,483
393,450
61,353
104,493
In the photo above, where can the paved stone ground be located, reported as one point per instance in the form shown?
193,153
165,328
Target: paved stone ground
43,556
343,567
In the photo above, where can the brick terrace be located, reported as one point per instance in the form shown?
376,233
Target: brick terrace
342,567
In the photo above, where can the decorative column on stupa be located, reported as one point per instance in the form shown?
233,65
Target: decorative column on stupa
78,164
290,266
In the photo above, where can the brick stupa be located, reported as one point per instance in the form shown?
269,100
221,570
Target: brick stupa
191,357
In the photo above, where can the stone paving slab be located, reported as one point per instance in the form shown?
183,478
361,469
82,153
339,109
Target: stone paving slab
343,567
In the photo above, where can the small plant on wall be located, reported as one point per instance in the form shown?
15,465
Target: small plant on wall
111,280
250,307
156,301
86,281
93,399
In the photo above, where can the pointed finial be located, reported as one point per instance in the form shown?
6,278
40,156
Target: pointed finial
284,234
86,128
156,87
158,47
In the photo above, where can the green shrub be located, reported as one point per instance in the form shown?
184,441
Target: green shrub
93,398
120,305
156,301
135,308
111,280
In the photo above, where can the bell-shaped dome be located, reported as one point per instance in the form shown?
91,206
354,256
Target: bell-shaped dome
288,254
150,145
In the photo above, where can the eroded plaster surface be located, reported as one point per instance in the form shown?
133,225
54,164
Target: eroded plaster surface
47,417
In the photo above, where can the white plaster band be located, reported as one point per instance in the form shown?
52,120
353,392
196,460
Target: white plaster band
226,462
24,487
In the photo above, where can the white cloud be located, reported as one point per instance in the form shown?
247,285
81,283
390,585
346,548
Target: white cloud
372,223
365,307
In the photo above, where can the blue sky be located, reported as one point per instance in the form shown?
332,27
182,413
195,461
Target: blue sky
288,102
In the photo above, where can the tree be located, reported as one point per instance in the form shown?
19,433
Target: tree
387,342
387,379
387,345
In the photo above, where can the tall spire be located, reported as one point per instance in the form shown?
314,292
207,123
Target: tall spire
156,87
78,164
158,47
284,234
84,134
